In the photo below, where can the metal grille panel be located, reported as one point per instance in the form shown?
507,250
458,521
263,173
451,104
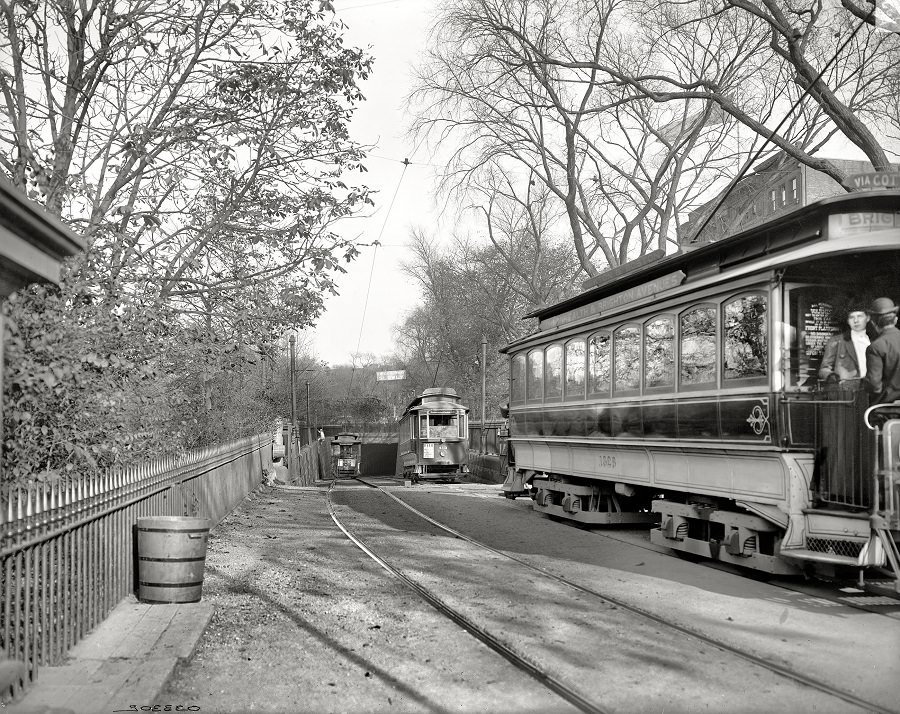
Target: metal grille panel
834,547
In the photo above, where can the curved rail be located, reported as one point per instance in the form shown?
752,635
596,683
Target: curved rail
876,407
479,632
701,637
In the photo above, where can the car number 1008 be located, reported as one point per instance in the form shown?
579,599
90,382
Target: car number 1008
605,461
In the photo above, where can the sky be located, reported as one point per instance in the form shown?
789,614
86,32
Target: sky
364,314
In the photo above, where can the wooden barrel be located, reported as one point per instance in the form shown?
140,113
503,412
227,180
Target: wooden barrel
171,553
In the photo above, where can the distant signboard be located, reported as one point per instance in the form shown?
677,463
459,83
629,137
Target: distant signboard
875,180
390,376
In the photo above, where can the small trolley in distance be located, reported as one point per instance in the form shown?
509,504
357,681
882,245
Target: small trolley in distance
433,439
345,455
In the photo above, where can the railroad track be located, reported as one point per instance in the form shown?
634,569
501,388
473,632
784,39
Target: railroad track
558,684
874,597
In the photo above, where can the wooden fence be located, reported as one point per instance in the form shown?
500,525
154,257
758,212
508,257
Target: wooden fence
67,548
310,462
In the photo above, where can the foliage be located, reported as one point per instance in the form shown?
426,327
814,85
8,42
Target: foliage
201,149
73,399
474,291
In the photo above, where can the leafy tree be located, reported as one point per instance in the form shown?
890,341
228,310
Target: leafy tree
201,149
480,290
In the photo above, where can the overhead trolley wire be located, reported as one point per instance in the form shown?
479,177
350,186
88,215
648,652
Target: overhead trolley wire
362,323
864,21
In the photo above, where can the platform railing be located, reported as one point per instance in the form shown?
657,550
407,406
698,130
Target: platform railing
67,547
846,450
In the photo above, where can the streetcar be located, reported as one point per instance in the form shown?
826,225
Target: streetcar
683,392
432,443
346,450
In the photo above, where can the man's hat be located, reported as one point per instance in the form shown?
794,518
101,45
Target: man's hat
883,306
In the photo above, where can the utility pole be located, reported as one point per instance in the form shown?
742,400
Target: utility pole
483,388
293,389
308,427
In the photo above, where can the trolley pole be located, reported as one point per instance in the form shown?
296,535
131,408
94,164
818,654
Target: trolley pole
483,388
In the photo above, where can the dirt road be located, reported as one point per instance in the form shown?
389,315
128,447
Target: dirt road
291,633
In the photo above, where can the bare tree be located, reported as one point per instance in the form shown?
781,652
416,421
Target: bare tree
797,74
525,89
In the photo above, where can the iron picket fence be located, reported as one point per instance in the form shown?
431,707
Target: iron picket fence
67,547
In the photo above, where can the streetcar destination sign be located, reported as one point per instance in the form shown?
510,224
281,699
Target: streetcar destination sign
876,180
638,292
843,225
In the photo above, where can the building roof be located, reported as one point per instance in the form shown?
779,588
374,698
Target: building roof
33,242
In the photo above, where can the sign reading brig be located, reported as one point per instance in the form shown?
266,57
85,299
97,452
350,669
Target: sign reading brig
390,376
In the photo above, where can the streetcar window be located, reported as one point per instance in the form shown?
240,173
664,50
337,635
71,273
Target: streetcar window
443,426
599,366
517,377
423,425
698,346
627,351
534,379
575,369
746,343
553,372
659,352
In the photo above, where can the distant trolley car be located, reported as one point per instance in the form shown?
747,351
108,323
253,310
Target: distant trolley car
346,451
685,392
433,439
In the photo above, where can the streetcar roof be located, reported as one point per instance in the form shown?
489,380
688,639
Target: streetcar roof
437,399
789,230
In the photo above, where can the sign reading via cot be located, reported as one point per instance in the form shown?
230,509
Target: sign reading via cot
390,376
875,180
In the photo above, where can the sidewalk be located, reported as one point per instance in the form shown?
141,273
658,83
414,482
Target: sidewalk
121,665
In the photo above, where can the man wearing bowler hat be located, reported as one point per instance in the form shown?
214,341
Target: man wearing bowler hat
883,355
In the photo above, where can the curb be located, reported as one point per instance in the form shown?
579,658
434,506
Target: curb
124,662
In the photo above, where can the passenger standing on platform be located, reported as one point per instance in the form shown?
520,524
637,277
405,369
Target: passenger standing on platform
883,355
844,360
